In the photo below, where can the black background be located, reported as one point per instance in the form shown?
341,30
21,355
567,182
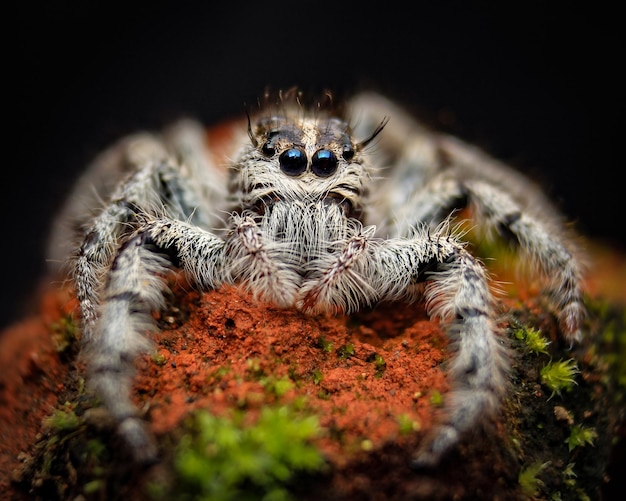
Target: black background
535,83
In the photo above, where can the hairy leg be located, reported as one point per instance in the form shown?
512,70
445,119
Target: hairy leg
134,289
457,291
546,246
541,240
102,237
263,265
155,182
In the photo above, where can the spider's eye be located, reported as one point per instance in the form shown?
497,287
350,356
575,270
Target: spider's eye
268,149
293,161
348,152
324,163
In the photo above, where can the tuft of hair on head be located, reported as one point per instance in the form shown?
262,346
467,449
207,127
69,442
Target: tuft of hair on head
292,104
284,102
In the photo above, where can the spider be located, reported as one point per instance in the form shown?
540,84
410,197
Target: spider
322,208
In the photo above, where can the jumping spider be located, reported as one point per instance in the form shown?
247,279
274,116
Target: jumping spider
320,210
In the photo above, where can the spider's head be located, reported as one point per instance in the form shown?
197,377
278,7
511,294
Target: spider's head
302,154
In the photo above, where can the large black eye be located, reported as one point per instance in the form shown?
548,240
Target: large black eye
324,163
293,161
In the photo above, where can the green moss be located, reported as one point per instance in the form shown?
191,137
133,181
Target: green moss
569,476
253,369
325,345
529,480
436,398
613,338
218,374
159,359
580,436
63,419
66,460
367,445
277,386
406,424
221,458
94,486
559,376
318,376
346,351
533,339
64,333
323,394
379,364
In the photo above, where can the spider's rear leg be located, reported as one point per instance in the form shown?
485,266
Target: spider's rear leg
497,213
153,181
546,245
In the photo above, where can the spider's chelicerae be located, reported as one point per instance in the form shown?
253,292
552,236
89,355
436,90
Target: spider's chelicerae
321,211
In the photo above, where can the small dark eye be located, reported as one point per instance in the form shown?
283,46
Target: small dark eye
324,163
268,149
293,161
348,152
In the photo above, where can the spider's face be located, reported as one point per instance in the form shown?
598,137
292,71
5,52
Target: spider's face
300,158
312,148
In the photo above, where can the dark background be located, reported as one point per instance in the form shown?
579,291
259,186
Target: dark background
535,83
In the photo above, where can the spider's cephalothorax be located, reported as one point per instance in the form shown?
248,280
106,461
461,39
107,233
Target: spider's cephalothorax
301,182
316,220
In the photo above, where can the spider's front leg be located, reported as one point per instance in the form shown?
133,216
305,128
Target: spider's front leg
134,289
261,264
457,291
